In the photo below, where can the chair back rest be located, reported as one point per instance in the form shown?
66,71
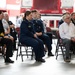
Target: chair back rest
57,33
48,29
59,38
18,30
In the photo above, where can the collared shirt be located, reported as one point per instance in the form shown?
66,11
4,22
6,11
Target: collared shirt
5,25
67,31
26,30
19,21
38,25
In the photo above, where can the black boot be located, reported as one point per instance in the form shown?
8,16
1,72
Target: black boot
8,60
40,60
50,54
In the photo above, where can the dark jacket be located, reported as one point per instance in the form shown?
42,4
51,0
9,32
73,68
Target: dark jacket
60,22
1,29
38,25
73,21
12,30
26,30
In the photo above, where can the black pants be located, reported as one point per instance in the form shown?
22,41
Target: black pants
9,45
13,34
37,44
46,39
72,48
50,36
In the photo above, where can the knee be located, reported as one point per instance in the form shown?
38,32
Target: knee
47,37
9,40
68,41
41,42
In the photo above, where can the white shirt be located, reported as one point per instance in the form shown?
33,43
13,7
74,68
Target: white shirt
5,25
44,25
67,31
19,21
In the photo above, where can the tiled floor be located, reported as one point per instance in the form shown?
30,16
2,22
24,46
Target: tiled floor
30,67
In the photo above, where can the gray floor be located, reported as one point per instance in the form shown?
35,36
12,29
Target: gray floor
30,67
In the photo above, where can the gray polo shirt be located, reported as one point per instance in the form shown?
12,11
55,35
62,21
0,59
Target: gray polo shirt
5,24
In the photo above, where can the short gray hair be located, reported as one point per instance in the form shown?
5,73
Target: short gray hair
65,16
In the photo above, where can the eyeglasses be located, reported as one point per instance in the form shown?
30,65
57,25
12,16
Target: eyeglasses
68,18
0,14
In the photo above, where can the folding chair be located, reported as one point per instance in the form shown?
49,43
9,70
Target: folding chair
2,53
27,52
60,47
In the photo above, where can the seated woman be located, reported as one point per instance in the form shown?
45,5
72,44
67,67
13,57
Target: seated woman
29,38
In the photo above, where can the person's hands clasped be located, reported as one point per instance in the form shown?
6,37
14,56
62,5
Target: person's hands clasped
35,36
39,34
73,39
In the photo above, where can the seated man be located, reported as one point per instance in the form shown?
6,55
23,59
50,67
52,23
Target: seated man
6,41
67,34
47,30
6,27
38,26
12,30
61,20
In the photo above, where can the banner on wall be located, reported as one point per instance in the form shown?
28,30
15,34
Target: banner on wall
67,3
2,4
27,3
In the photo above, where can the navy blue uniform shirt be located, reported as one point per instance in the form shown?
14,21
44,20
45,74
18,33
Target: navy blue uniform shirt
26,30
38,26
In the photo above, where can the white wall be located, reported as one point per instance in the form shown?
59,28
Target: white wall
55,18
13,19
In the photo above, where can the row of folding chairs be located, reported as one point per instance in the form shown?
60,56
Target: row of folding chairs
28,51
